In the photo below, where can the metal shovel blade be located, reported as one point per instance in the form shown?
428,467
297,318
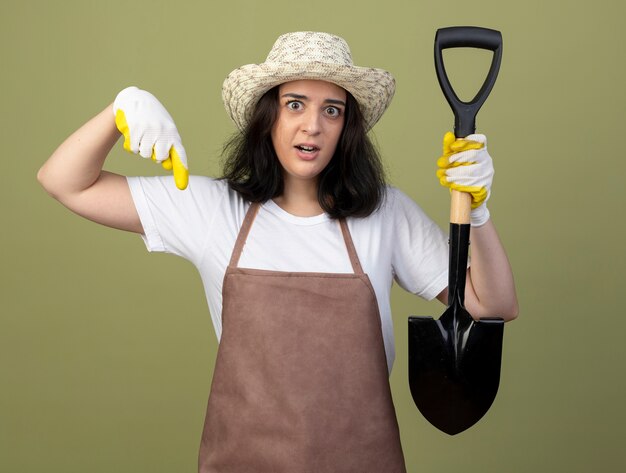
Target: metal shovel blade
454,373
454,362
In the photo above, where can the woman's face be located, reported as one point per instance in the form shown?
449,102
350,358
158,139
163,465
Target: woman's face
311,115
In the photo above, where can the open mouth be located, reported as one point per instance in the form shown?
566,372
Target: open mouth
307,149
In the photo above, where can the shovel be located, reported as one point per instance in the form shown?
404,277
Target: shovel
454,362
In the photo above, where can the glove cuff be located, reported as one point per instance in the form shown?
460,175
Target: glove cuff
479,216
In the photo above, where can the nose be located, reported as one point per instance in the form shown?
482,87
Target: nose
311,124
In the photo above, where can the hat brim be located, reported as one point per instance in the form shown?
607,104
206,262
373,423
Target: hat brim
372,88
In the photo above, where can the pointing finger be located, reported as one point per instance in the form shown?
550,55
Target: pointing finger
179,164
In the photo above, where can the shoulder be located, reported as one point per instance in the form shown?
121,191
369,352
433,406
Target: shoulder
203,198
205,184
393,202
400,214
394,209
165,186
397,203
215,196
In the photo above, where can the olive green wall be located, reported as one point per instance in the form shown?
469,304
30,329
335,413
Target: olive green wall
102,372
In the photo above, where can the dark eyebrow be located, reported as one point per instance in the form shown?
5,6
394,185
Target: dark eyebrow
304,97
296,96
335,102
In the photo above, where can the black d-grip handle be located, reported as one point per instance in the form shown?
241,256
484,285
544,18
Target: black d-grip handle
467,37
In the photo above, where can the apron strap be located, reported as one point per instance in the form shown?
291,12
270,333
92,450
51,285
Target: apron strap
243,234
247,224
354,258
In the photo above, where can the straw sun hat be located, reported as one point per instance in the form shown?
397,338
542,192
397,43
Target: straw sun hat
307,55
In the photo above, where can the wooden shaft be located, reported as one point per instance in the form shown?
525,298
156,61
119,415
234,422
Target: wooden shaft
460,207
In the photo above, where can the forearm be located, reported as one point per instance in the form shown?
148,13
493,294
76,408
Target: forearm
77,163
490,290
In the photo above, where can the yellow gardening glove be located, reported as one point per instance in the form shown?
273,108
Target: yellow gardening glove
149,131
466,166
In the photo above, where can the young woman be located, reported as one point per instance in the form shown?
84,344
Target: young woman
297,245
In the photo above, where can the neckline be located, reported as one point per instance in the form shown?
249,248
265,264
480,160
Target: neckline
247,224
277,210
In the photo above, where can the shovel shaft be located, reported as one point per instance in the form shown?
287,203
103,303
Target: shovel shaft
459,248
460,207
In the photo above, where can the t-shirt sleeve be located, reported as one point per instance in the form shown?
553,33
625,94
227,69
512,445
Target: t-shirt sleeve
420,252
176,221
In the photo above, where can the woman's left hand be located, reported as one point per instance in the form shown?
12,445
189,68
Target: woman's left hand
466,166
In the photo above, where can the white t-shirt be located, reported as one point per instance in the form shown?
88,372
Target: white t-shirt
201,224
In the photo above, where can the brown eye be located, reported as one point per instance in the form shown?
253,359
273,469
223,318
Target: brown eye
333,111
294,105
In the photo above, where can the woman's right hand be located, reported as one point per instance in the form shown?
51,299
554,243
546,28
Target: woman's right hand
149,130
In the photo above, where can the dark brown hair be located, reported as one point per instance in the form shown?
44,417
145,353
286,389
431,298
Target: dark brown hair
351,185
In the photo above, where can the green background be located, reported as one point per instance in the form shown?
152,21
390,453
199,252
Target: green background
101,371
